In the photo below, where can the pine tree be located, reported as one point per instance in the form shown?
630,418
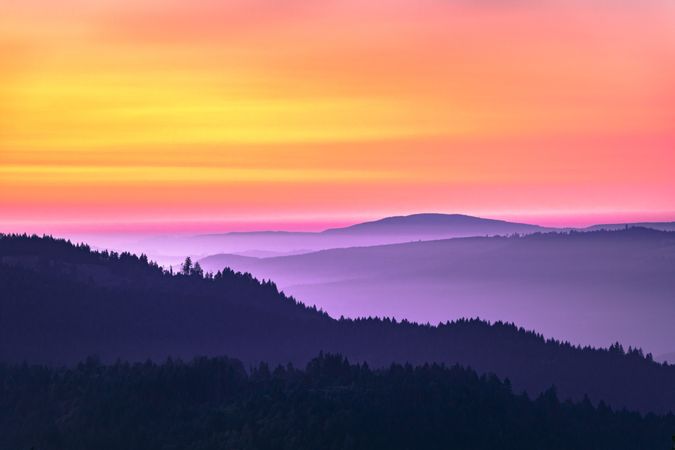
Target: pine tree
197,270
187,266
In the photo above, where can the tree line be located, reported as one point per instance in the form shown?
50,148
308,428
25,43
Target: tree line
218,403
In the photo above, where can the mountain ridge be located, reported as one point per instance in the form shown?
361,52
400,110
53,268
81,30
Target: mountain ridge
533,280
420,221
170,249
64,302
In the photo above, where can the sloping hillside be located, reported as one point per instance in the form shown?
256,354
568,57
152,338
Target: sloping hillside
587,287
61,303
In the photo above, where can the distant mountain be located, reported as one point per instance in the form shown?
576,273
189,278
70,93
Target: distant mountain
271,254
436,226
171,249
663,226
586,287
60,303
214,263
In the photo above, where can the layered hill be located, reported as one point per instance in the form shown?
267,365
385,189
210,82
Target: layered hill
586,287
60,303
435,226
416,227
171,249
662,226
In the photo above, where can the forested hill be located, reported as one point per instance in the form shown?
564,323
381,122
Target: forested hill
215,404
587,287
60,303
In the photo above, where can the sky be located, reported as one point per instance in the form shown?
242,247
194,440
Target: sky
149,115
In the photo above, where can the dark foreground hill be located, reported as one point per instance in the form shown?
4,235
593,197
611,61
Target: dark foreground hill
212,404
60,303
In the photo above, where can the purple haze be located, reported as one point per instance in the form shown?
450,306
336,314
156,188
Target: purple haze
591,288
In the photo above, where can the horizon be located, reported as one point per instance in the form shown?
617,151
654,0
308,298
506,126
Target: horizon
159,227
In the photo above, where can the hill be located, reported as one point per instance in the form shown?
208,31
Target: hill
662,226
211,404
62,302
169,249
587,287
436,226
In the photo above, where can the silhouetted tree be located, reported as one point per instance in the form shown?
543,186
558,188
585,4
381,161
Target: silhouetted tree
187,266
197,270
214,403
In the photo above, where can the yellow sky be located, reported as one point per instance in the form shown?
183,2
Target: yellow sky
171,110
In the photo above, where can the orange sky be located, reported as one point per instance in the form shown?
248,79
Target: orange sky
178,115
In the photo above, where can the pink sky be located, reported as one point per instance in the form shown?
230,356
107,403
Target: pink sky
209,116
